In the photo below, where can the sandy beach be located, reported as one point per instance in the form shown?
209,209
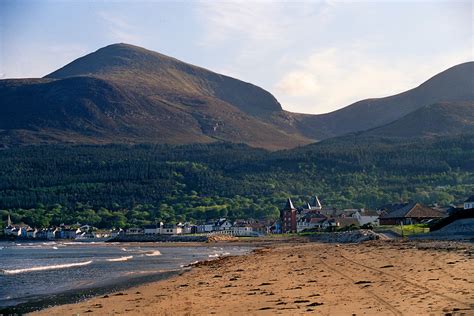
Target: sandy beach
373,278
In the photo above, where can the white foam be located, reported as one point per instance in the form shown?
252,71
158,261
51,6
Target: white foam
153,253
43,268
214,255
120,259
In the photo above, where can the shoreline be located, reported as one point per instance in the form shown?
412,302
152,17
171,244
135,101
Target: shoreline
379,277
71,296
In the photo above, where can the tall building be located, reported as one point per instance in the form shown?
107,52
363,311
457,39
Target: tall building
288,218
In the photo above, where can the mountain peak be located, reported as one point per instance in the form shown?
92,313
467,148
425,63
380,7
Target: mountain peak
111,59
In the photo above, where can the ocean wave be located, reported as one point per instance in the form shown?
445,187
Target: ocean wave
120,259
153,253
43,268
216,255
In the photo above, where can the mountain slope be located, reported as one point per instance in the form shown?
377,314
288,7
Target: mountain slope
146,72
446,118
453,84
126,94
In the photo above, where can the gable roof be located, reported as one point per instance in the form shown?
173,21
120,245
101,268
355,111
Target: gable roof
413,210
316,202
289,205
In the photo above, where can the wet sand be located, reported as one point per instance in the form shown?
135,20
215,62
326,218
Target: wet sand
374,278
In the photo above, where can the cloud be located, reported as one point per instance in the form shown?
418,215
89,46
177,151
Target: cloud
332,78
119,29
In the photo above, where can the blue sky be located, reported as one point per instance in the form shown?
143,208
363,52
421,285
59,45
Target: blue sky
314,56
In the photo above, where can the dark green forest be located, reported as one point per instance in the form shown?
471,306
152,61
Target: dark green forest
124,185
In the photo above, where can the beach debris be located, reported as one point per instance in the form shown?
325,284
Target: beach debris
363,282
386,266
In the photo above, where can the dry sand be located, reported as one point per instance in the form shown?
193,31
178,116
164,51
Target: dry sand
374,278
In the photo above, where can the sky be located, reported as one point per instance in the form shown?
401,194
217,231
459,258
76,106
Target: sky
314,56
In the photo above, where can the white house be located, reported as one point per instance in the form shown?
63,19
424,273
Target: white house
241,230
154,229
222,224
469,203
308,222
171,230
366,217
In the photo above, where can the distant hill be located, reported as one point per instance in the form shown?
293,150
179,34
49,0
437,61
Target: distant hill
452,85
446,118
126,94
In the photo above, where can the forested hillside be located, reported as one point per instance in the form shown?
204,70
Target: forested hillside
120,185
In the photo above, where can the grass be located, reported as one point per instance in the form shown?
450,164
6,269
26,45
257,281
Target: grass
408,230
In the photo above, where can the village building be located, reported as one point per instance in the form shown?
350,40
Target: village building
410,213
69,233
241,229
469,203
205,228
222,224
169,229
288,218
31,233
134,231
52,233
154,229
365,217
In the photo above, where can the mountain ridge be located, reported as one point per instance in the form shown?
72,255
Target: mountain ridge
127,94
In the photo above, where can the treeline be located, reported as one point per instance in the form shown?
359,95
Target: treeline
120,185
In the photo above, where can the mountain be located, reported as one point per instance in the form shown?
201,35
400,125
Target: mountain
453,85
126,94
439,119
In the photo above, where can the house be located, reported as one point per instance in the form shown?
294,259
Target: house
169,229
12,231
114,233
31,233
310,222
188,228
154,229
69,233
329,224
41,234
365,217
410,213
52,233
288,218
222,224
469,203
134,231
241,229
205,228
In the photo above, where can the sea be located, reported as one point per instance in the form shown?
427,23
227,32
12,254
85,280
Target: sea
36,275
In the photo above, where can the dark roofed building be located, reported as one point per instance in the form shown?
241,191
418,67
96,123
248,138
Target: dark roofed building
411,213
